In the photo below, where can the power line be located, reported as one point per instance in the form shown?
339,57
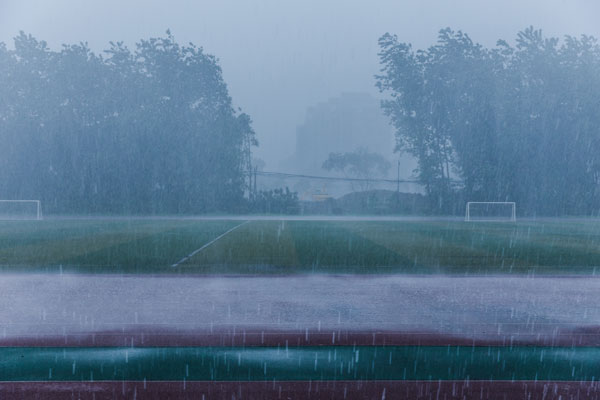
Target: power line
333,178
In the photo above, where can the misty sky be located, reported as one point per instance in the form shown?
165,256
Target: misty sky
280,57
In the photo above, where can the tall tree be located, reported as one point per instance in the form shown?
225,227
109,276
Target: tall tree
145,131
511,123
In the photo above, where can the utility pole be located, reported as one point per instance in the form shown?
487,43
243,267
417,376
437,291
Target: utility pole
398,178
255,173
250,194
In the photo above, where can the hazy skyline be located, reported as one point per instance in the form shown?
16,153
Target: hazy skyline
278,57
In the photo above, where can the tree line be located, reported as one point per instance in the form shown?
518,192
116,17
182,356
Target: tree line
153,130
510,123
149,130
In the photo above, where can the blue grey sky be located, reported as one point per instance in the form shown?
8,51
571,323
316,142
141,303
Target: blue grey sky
280,57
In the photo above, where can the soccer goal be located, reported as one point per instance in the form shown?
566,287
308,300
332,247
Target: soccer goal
20,209
491,211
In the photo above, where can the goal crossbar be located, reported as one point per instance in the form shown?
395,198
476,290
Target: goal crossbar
511,204
36,203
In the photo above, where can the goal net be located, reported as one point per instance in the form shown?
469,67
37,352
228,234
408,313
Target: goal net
20,209
491,211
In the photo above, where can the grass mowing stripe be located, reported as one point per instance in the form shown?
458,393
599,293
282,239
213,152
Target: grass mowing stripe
343,249
198,250
407,247
318,363
102,246
297,247
138,246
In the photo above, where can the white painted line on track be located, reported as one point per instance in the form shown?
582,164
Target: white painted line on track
198,250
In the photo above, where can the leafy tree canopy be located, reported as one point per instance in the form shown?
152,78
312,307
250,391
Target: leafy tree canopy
512,123
150,130
358,164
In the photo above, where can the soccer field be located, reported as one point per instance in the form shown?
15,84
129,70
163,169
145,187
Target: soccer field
237,308
270,246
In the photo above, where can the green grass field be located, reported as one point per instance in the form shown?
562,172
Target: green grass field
281,247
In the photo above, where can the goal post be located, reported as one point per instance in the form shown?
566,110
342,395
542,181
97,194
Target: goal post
496,211
20,210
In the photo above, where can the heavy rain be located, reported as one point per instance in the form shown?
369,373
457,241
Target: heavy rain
299,200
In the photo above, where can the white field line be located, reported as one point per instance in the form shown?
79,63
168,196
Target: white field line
198,250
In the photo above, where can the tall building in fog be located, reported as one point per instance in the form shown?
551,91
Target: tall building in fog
343,124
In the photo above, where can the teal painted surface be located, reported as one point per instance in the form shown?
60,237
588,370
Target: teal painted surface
300,363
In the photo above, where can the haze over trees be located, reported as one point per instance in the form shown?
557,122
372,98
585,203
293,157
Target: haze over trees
343,124
150,130
510,123
153,130
359,164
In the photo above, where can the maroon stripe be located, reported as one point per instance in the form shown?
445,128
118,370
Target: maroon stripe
350,390
153,336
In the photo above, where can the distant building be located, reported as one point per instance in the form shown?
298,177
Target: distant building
339,125
319,194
